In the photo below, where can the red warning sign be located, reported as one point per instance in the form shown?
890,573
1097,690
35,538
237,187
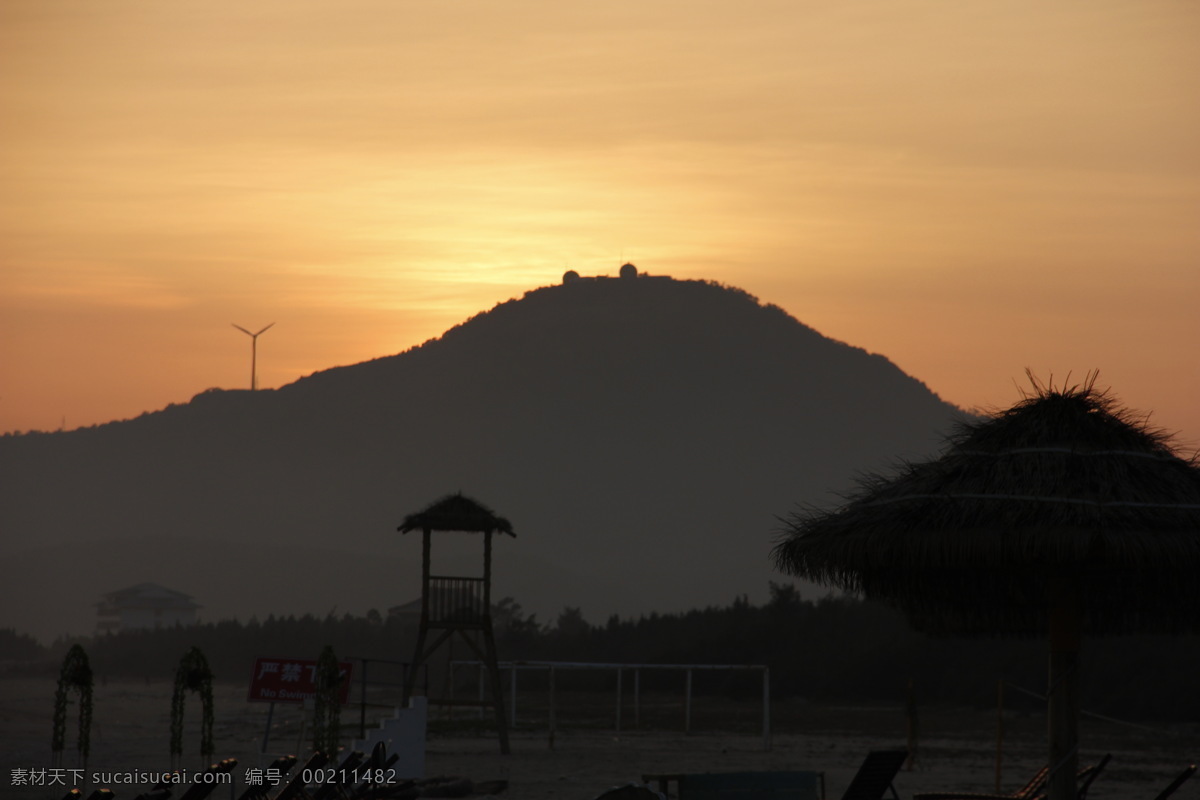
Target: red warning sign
292,680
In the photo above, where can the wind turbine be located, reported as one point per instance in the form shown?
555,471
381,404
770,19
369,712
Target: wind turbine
253,353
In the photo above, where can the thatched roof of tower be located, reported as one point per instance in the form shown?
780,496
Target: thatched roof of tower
1063,486
457,512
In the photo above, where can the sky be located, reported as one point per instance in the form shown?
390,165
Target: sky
971,189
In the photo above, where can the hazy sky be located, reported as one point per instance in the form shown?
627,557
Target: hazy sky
970,188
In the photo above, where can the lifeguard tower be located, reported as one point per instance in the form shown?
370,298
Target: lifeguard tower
453,604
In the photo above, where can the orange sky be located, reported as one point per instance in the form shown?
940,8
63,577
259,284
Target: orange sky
968,188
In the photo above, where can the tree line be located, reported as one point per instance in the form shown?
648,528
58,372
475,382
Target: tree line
828,649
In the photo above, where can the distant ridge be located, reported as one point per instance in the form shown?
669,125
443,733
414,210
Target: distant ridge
641,432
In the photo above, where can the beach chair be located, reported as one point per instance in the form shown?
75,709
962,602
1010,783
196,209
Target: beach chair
400,790
779,785
875,775
378,764
368,770
168,782
154,794
341,784
378,757
446,786
202,789
790,785
1033,790
1034,787
632,791
296,787
403,790
1088,774
1175,784
259,791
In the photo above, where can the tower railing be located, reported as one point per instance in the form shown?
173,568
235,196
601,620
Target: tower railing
457,600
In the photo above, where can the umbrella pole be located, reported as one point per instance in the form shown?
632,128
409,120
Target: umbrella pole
1066,624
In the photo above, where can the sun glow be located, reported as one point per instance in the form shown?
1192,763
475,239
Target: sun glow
967,189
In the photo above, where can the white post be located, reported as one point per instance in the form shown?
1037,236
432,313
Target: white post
266,735
687,705
618,699
512,696
766,708
553,716
637,696
481,693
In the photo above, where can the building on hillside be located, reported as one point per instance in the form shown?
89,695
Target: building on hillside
627,272
409,612
144,606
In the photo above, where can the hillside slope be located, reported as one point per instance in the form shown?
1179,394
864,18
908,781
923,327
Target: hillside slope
642,434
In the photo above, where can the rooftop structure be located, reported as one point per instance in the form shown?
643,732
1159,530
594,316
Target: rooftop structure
145,606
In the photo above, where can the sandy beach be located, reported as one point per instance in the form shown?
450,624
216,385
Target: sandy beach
956,747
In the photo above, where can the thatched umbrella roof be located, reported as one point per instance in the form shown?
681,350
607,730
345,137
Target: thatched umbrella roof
1063,482
457,512
1063,515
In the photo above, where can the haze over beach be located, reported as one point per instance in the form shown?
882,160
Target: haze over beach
968,189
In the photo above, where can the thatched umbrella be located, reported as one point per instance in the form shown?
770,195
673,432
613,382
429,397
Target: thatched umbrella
1064,514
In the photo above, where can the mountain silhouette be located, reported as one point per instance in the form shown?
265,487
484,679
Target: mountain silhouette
641,433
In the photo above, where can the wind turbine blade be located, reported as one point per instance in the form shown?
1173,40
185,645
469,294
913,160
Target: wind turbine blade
264,330
243,330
